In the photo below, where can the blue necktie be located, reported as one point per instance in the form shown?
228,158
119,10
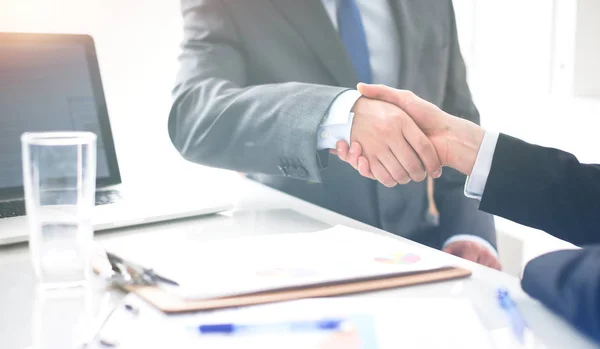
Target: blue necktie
352,33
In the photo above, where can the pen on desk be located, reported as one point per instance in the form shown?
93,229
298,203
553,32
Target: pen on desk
293,326
517,321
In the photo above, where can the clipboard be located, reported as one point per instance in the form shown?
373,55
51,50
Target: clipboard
170,303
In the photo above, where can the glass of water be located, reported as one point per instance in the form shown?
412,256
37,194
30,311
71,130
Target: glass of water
59,176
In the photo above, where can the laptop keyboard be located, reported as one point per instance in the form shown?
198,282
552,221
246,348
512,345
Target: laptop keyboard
107,197
15,208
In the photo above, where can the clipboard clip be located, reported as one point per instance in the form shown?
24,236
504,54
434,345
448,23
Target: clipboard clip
126,273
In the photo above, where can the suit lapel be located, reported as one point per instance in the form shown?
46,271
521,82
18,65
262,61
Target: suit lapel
309,19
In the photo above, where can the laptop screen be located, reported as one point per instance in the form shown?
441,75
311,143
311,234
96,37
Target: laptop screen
47,86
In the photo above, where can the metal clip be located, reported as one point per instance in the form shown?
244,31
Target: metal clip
129,273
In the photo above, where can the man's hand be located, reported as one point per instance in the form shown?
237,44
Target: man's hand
456,140
395,147
474,252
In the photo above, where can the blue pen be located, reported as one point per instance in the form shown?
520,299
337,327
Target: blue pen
294,326
517,321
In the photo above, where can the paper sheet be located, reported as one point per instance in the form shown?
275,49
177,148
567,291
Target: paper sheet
431,323
252,264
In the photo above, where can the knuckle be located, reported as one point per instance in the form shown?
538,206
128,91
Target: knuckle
414,168
387,178
400,176
408,98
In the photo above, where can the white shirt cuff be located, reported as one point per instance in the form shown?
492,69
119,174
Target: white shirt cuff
337,124
472,238
475,184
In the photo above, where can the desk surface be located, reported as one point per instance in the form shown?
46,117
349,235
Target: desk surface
28,321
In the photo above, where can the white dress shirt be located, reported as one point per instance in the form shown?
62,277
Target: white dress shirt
384,53
475,184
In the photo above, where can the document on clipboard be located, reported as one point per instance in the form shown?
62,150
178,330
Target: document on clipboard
262,269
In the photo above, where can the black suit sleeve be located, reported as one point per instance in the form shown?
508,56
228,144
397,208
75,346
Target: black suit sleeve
459,214
544,188
568,282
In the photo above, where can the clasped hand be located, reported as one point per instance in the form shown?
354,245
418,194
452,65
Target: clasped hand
398,137
395,147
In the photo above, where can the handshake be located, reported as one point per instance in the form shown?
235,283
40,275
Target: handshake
398,137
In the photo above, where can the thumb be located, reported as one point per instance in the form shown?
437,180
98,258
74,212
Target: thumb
400,98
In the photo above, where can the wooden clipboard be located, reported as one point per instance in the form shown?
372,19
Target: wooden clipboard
169,302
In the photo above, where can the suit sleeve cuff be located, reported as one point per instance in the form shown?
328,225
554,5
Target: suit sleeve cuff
337,124
472,238
475,184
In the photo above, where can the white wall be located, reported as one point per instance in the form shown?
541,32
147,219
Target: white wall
521,59
587,49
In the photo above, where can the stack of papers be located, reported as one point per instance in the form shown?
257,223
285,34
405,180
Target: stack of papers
228,267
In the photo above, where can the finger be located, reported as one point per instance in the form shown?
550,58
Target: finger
333,151
394,168
342,150
489,260
451,249
381,174
354,153
409,160
494,264
364,169
470,254
459,249
401,98
423,148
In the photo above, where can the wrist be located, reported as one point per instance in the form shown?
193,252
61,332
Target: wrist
357,114
464,140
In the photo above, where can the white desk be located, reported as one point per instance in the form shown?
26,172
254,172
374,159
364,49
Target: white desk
25,321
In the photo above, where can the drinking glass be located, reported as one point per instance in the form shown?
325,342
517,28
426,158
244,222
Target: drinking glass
59,178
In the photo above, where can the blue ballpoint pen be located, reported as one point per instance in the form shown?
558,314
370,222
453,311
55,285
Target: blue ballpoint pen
294,326
517,321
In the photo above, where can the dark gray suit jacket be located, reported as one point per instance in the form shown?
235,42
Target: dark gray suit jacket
258,76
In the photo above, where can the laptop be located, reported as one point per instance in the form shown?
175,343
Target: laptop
51,82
